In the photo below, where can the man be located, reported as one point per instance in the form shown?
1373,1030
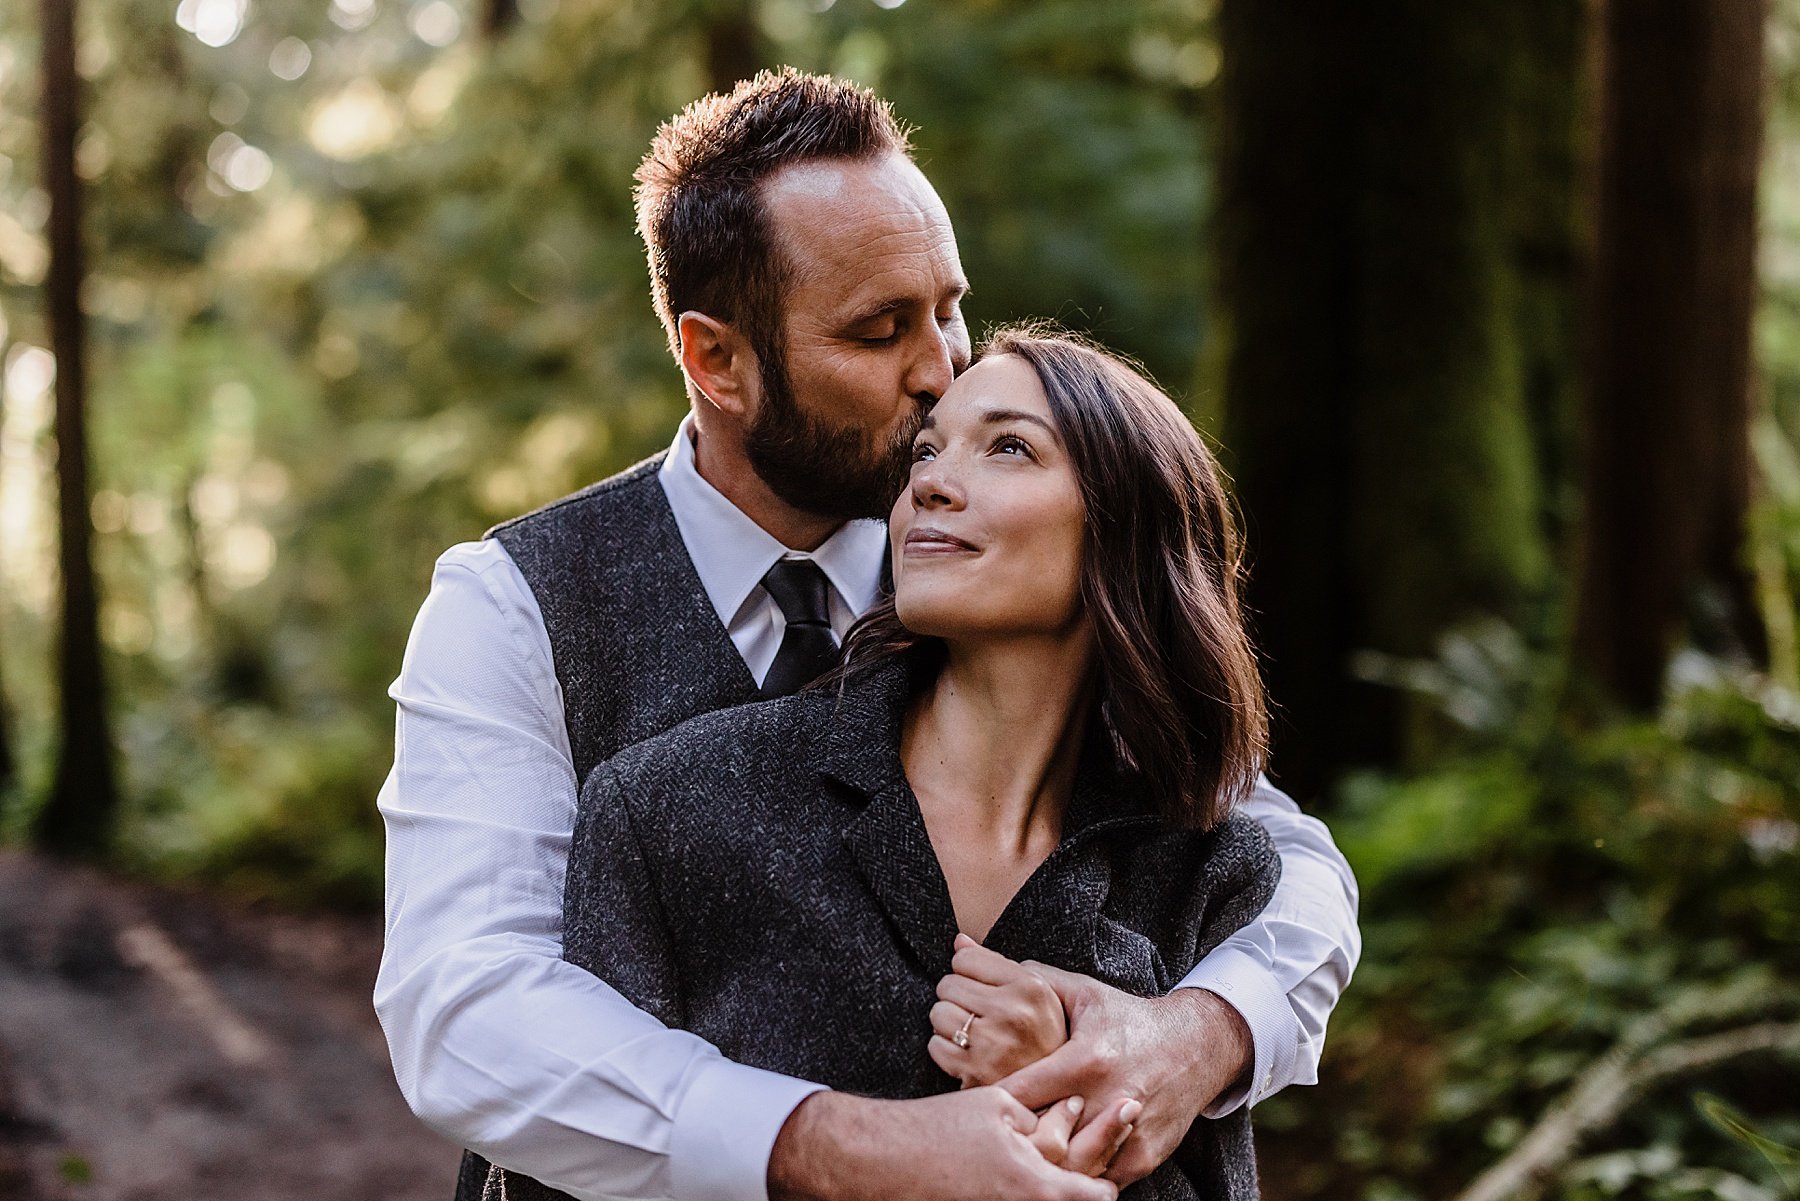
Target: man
808,279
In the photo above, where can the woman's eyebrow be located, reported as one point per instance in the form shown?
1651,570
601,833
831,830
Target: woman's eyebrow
996,416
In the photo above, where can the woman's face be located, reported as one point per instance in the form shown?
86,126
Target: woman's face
987,537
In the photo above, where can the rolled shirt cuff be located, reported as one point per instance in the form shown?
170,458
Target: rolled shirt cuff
725,1131
1248,987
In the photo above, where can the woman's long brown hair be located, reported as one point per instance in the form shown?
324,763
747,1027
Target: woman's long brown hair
1161,576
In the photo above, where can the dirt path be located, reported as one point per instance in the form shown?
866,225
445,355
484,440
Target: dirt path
159,1045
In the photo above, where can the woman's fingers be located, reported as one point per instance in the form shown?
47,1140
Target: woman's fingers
1092,1149
947,1018
982,1033
1054,1128
975,961
947,1021
973,996
1024,1004
949,1057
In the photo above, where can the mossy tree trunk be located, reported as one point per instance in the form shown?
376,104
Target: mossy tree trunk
734,44
77,817
8,765
8,769
498,17
1396,284
1666,425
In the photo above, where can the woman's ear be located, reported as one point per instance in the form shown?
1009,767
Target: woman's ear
718,361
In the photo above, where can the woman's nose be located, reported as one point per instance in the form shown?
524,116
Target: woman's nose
935,487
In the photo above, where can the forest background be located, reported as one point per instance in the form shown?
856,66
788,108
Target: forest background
1493,309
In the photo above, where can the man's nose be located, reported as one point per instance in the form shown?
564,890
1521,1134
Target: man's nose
936,365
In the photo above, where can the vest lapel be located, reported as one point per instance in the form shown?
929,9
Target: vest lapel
692,648
637,646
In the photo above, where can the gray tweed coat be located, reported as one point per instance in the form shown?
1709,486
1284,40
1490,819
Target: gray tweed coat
762,877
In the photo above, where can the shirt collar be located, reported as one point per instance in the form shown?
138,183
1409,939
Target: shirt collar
731,553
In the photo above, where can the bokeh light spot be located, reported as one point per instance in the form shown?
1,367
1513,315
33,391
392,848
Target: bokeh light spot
213,22
290,58
436,23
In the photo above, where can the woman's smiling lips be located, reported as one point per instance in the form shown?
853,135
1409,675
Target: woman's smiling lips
924,540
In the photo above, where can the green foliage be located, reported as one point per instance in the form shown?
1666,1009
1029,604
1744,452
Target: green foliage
363,284
1551,895
75,1169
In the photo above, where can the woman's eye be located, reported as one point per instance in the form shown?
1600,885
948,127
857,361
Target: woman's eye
1012,444
923,452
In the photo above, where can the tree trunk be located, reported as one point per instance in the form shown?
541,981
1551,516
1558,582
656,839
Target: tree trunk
497,17
77,817
1396,263
1286,286
9,769
1666,425
8,765
733,43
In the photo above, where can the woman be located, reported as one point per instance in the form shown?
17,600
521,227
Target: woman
1036,743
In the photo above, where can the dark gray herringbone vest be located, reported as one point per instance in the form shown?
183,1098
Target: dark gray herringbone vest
636,644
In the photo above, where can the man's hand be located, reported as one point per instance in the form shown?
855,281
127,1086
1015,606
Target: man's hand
974,1145
1009,1016
1175,1054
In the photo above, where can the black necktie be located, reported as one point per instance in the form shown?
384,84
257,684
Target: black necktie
808,650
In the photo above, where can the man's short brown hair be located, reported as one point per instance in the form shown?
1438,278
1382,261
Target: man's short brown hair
699,205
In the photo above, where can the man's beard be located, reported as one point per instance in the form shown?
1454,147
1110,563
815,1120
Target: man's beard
820,468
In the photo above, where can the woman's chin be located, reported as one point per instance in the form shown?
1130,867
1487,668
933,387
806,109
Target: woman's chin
936,617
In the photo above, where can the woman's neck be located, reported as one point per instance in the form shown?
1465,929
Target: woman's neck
991,747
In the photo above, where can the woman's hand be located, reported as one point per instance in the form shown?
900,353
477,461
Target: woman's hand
993,1016
973,1145
1090,1150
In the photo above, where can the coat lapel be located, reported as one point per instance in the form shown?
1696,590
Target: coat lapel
1054,917
860,747
891,849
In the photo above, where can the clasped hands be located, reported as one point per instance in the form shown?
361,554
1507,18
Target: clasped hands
1104,1072
1143,1069
1021,1021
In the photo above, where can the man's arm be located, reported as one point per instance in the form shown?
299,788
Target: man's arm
1252,1011
497,1043
1282,973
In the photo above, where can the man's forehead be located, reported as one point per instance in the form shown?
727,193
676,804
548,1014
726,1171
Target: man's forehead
861,225
888,180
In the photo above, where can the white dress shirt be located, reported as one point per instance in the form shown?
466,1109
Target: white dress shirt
502,1046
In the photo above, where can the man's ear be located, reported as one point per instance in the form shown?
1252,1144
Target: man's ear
717,360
